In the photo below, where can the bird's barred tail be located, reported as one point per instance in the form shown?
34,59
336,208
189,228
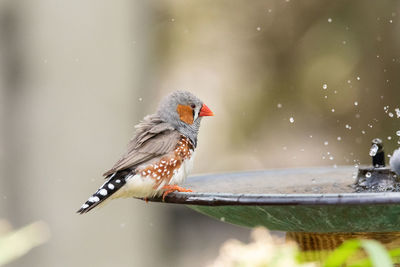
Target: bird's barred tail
114,182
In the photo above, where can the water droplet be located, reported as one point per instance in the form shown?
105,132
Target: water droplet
339,138
326,143
324,86
391,114
389,138
279,105
398,133
368,174
258,28
333,110
397,112
140,99
291,119
358,78
373,150
329,20
331,157
356,103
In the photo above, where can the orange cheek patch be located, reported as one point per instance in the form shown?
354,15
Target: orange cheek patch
185,114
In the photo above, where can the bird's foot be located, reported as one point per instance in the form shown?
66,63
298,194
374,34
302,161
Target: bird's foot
172,188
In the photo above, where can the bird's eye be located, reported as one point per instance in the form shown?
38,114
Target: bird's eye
193,106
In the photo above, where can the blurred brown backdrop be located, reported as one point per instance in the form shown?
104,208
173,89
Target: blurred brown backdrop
292,83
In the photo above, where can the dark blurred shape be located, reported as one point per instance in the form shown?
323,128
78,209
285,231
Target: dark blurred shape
377,153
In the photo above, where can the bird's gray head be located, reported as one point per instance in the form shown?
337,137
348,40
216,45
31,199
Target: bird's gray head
184,111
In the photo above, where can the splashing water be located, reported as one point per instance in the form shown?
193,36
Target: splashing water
397,112
386,109
373,150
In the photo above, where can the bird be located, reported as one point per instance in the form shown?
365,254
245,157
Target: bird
160,155
395,161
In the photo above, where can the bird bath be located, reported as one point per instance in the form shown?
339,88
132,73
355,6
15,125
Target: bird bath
301,200
318,207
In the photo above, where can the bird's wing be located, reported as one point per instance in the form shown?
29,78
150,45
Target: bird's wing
150,142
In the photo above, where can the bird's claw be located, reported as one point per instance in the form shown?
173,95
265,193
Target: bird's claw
172,188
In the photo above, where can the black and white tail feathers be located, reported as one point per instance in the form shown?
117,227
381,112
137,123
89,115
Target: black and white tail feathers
114,182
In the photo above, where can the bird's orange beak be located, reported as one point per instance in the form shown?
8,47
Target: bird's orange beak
205,111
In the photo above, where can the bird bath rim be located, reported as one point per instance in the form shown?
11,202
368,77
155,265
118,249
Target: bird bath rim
216,197
227,199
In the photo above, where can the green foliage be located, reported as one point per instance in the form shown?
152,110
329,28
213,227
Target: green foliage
377,254
354,253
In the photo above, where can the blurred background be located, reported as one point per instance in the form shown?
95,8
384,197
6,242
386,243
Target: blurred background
292,84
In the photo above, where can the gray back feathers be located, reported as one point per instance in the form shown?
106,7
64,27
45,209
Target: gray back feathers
153,139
